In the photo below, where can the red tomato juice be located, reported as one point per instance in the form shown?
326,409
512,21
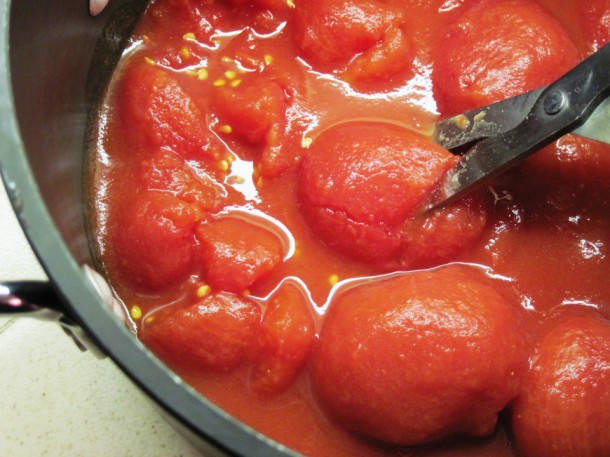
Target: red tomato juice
211,113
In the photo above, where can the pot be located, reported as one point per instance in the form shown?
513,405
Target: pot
54,62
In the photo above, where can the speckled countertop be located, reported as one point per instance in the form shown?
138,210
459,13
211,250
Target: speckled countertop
58,401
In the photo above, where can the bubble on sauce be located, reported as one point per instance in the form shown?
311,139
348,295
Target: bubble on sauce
591,250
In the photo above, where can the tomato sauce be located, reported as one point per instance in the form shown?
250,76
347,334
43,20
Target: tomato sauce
258,167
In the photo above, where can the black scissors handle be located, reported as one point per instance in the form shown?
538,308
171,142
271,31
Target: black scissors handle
560,108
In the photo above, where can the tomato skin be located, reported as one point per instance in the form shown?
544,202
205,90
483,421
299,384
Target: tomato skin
154,239
285,340
421,357
237,253
329,33
160,114
564,408
359,181
217,334
498,49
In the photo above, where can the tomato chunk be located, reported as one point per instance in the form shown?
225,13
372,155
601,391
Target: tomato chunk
216,334
257,112
330,33
154,239
237,253
564,407
285,339
498,49
422,356
160,114
167,171
359,181
253,109
431,239
383,60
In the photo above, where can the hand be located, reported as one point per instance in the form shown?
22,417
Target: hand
96,6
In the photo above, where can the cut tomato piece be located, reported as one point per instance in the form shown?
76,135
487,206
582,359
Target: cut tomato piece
572,162
286,336
216,334
253,109
185,16
382,61
237,253
167,171
433,238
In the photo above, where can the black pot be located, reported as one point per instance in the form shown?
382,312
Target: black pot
47,93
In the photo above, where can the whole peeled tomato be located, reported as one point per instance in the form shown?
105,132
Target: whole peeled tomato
362,42
391,56
154,239
360,180
572,163
329,33
498,49
564,408
421,356
159,113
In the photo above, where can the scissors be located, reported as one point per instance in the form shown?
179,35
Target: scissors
503,134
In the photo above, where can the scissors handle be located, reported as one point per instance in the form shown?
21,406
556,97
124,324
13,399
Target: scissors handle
568,102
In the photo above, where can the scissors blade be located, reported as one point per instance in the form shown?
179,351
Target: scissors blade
560,108
485,122
492,156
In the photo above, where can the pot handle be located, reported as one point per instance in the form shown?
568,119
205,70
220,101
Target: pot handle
26,296
18,297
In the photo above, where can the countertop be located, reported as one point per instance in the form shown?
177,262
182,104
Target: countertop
58,401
